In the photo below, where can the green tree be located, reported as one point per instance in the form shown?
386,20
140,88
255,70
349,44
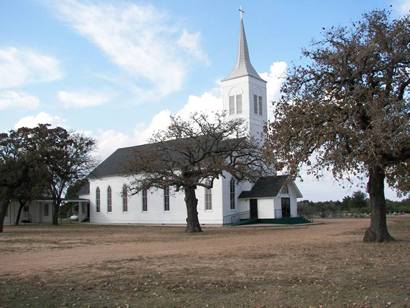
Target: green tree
21,173
66,157
347,110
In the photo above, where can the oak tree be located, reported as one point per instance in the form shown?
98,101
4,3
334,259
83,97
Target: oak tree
348,108
194,153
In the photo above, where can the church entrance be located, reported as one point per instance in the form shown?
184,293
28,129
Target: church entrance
285,207
253,208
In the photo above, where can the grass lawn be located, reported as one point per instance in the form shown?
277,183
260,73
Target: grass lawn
128,266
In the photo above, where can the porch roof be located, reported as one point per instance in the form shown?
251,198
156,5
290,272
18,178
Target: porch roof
268,186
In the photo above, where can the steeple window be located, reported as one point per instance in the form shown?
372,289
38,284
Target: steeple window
231,104
255,104
239,103
260,105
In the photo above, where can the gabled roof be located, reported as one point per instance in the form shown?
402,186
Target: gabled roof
119,162
268,186
243,65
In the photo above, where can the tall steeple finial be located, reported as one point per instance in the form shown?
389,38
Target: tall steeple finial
243,65
241,12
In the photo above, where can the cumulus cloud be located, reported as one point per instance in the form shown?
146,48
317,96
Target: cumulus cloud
191,43
275,78
207,103
82,99
40,118
22,66
16,99
139,39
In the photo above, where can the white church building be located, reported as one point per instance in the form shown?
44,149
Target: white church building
244,96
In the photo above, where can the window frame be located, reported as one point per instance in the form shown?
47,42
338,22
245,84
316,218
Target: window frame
231,104
232,194
109,199
98,199
208,199
124,196
166,199
144,196
238,103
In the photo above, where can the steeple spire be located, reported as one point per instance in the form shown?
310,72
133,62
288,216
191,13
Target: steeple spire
243,65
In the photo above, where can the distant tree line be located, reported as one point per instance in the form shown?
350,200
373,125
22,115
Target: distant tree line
41,163
355,205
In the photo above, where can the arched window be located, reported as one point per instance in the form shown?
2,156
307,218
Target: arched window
208,198
97,199
144,200
109,199
285,190
124,196
166,199
232,193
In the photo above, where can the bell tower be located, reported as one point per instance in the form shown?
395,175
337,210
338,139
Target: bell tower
244,91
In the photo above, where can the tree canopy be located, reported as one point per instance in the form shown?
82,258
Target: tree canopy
347,110
42,161
195,152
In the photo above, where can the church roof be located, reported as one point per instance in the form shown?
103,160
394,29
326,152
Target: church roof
119,162
268,186
243,65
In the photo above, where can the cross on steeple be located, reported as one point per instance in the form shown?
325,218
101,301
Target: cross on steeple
241,12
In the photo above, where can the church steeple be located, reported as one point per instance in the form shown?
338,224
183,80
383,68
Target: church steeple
243,65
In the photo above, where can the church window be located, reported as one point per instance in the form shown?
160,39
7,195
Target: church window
231,104
166,199
124,198
239,103
144,200
260,105
255,104
232,193
208,198
97,199
45,210
109,199
285,190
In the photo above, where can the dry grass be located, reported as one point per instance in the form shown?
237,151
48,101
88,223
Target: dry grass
111,266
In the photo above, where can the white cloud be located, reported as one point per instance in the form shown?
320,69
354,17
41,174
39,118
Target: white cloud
138,38
191,43
206,103
82,99
21,66
40,118
402,6
275,78
17,99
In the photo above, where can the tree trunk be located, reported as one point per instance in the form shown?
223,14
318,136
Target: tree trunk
3,211
56,212
377,232
19,213
191,202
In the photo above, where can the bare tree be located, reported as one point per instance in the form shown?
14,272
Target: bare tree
347,110
195,152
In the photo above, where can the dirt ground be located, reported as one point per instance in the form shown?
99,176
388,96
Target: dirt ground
137,266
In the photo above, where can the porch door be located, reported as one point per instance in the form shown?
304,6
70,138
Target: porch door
285,207
253,208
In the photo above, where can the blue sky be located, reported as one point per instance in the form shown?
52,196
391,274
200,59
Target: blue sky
116,69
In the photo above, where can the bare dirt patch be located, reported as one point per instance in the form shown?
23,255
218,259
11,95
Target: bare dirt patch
111,266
